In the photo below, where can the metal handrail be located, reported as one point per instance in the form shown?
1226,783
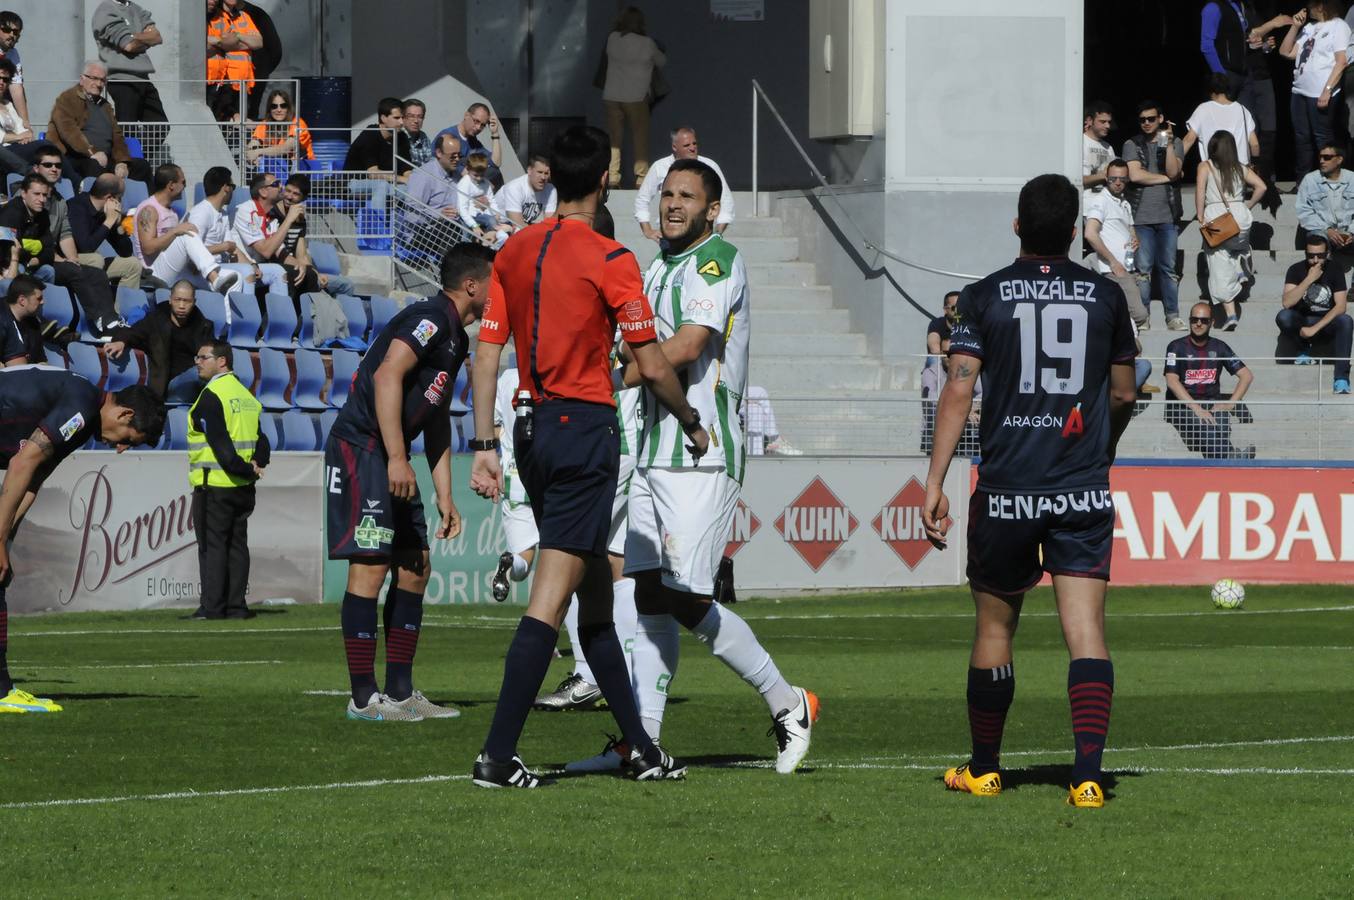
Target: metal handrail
759,92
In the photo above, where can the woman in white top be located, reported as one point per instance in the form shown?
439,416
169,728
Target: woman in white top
17,144
631,57
1219,188
1317,42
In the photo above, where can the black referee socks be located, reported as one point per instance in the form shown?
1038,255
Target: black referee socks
524,668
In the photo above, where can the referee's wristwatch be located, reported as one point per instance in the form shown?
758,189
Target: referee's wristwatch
491,444
694,425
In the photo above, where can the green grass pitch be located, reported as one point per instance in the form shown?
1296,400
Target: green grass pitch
198,759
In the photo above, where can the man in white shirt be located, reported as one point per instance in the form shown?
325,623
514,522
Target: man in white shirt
1096,151
684,146
528,198
1109,231
210,220
1221,113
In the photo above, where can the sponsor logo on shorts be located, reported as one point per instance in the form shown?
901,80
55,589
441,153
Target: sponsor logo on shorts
816,524
371,506
1015,507
73,424
424,331
369,536
899,524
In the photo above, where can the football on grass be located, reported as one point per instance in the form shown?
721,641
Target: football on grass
1228,594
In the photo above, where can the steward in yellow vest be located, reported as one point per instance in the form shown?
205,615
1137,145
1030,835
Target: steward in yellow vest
226,455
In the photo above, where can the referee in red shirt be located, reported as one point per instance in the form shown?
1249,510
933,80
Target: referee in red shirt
560,290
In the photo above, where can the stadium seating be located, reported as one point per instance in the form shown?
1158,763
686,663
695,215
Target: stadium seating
86,361
274,379
57,305
64,188
299,431
359,321
176,428
325,257
213,306
237,199
460,392
124,371
383,309
268,428
281,321
245,320
309,380
305,336
133,193
345,363
134,147
132,304
326,424
416,446
11,181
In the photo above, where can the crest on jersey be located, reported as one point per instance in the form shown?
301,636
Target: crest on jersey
73,424
711,270
1045,269
424,331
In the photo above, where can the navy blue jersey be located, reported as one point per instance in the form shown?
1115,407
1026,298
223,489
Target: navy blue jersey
1047,331
1200,367
12,344
432,329
65,406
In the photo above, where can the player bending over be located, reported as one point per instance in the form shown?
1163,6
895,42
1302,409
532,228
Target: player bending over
1053,343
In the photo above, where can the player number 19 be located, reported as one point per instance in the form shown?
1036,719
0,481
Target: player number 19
1034,324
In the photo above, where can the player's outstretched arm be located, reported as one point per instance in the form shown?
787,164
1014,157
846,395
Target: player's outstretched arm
389,382
956,401
20,487
1123,394
486,475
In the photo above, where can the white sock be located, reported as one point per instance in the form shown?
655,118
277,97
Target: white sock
581,667
623,613
733,643
653,666
520,567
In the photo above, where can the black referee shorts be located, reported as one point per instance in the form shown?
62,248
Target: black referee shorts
569,468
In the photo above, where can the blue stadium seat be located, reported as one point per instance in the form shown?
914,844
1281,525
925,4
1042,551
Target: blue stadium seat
281,321
383,309
213,306
134,147
305,336
309,380
180,207
268,428
124,371
416,446
239,198
11,181
299,431
57,305
64,188
199,193
461,393
86,361
274,379
373,230
277,166
132,304
345,364
133,192
325,257
88,182
359,320
326,424
177,428
245,320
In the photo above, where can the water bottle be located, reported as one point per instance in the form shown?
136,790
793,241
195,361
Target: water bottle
1129,257
523,409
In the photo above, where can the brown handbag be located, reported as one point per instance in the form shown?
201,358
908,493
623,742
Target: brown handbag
1218,231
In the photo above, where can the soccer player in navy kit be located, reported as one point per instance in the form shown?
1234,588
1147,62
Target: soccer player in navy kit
402,388
1054,344
45,415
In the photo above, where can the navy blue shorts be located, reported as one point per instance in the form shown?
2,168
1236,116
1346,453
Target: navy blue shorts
364,520
569,469
1013,539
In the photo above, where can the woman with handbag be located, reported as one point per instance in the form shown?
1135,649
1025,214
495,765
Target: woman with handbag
1225,221
627,75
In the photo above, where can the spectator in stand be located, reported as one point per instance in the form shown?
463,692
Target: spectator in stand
96,217
1221,113
433,184
936,371
283,133
1109,232
169,335
215,228
1235,43
420,145
124,31
11,26
232,38
1194,364
684,146
764,437
1155,157
477,117
381,150
1314,304
265,59
1318,42
169,248
295,251
1219,188
1326,206
1260,97
528,198
40,221
475,198
85,129
20,335
631,58
17,142
1096,152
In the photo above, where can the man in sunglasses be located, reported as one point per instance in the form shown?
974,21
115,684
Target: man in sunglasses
1326,206
11,26
1155,158
1198,409
1314,302
1110,233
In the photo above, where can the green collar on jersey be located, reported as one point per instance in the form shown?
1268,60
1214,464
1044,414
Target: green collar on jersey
677,257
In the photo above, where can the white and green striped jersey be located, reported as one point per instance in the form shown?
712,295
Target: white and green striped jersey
505,417
706,285
627,417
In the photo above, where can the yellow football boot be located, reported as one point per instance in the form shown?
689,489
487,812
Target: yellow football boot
960,778
24,702
1086,795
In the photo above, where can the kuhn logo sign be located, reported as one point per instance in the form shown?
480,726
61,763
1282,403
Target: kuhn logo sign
816,524
899,524
745,525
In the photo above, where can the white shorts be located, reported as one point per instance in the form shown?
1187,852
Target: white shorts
680,521
519,526
620,506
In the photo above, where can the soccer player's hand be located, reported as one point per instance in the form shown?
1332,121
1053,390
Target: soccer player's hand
450,526
700,443
935,516
403,484
486,475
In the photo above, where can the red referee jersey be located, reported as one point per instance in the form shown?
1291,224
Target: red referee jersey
560,289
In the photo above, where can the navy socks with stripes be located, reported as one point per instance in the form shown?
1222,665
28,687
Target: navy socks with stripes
1090,688
403,619
359,643
990,692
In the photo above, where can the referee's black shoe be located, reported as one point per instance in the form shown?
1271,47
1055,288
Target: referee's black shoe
514,774
500,585
656,765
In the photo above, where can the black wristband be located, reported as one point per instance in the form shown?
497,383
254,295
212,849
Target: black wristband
694,425
491,444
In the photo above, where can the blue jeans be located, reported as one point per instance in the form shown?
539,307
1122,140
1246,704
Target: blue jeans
1312,129
1339,331
1156,250
1142,370
338,284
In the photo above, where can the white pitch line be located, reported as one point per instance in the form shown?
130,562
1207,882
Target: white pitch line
327,693
242,632
1051,615
169,665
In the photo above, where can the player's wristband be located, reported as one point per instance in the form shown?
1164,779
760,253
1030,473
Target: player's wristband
693,426
491,444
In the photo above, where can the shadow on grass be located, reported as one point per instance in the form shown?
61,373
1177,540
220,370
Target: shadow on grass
1057,776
